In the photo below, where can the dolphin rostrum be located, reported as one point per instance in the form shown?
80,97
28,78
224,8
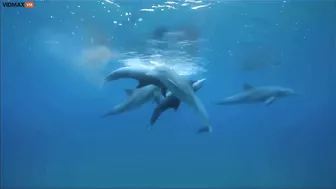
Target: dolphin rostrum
172,101
136,98
137,73
252,94
181,88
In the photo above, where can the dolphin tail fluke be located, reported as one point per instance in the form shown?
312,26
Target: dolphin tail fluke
205,129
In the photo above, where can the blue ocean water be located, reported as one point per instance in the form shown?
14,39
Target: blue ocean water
54,58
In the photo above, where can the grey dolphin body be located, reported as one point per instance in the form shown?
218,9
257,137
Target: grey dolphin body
137,73
136,98
252,94
172,101
181,88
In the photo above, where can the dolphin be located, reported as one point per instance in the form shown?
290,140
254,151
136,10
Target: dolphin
252,94
137,73
181,88
172,101
136,98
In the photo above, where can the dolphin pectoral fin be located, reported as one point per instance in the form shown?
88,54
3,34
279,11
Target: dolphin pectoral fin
149,127
155,116
176,105
270,100
103,116
102,85
205,129
247,87
191,82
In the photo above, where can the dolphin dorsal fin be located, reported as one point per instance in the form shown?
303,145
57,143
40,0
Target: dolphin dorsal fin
129,92
247,87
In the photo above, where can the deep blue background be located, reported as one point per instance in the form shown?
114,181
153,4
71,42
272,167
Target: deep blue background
52,135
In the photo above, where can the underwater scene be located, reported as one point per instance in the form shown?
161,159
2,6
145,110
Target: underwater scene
168,94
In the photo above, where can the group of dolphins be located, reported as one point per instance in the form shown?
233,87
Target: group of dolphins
162,80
